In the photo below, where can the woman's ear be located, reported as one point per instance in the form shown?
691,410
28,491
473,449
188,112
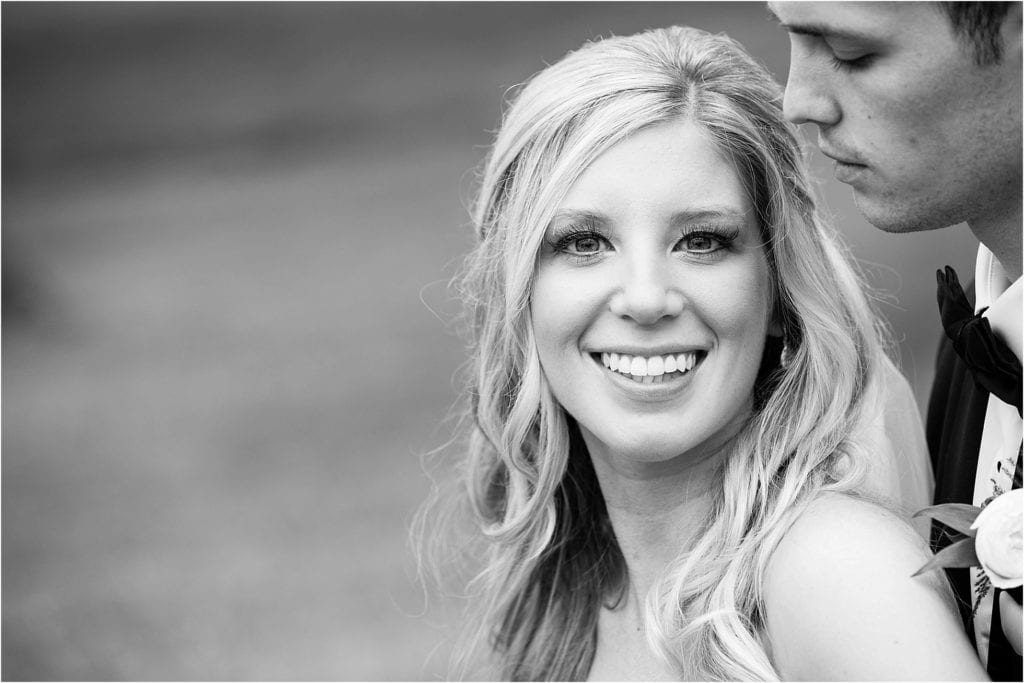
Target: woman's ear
777,316
775,326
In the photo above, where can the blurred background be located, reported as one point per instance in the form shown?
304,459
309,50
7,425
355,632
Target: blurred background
227,230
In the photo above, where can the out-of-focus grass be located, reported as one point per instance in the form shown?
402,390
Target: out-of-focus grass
220,226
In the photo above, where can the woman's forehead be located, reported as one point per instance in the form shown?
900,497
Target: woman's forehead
675,168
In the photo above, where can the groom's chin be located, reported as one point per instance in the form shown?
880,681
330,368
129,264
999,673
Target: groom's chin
889,215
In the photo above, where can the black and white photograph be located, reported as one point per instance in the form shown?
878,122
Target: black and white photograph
515,341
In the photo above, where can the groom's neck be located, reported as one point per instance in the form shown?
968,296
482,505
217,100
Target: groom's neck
1001,234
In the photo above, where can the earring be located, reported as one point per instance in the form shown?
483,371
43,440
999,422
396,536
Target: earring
786,357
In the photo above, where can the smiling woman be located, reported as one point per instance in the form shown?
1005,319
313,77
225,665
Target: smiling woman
667,266
672,433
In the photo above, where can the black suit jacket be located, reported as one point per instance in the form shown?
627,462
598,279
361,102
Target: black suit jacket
956,417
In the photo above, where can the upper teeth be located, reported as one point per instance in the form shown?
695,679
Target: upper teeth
640,366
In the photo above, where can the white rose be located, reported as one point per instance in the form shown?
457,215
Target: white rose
999,544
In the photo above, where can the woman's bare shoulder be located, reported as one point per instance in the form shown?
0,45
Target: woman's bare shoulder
841,599
836,527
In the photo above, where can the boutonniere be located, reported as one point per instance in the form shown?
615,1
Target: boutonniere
992,538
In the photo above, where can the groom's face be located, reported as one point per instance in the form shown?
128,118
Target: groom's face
924,135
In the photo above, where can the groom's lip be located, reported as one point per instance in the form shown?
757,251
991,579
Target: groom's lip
850,174
839,157
841,160
846,170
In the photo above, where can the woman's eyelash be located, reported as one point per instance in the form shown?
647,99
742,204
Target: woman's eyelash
723,236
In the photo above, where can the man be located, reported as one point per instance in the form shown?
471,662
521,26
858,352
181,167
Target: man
919,105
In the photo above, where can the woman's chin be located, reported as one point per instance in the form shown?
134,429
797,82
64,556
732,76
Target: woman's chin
659,455
640,446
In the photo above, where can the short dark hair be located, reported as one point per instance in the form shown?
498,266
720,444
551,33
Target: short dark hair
977,25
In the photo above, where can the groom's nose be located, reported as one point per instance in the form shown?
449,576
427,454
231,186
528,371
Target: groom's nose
809,94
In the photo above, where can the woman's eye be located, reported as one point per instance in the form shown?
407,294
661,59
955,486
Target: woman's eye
582,245
586,245
701,243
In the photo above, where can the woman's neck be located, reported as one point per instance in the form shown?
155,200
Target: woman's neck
656,511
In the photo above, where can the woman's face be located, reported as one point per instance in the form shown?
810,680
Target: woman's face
651,299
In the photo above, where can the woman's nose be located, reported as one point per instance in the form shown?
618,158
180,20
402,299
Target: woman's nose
647,295
808,97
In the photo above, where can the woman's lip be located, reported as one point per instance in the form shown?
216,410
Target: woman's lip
646,353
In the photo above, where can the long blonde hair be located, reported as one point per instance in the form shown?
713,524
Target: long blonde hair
550,559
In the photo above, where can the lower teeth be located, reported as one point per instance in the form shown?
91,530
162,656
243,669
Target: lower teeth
651,379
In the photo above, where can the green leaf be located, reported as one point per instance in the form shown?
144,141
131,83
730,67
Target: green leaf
957,516
959,554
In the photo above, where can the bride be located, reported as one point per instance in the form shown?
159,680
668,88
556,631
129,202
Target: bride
672,449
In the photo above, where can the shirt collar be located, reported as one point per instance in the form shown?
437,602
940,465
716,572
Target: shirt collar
990,279
991,285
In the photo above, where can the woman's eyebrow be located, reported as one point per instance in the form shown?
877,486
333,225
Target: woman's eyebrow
578,215
710,213
705,213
